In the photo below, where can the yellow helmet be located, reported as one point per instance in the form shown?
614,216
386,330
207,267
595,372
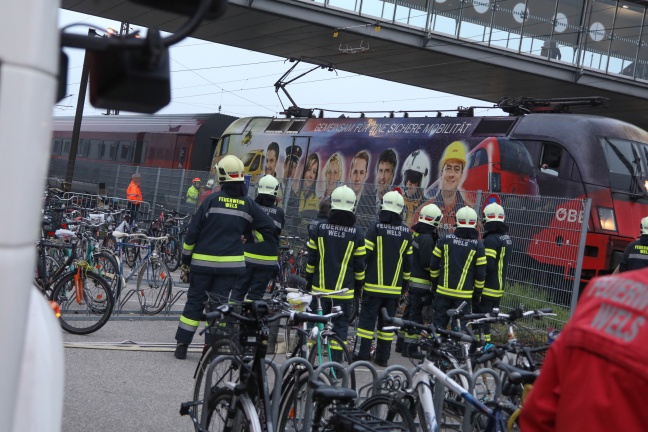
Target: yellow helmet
456,150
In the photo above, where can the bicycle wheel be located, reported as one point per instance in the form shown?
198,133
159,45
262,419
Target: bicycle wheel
396,411
226,371
108,268
219,405
341,355
132,253
172,254
154,286
86,304
293,402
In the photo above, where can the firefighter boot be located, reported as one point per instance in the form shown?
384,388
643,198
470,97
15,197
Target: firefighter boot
410,350
363,352
399,344
181,351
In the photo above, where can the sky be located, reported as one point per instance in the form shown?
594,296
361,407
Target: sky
207,77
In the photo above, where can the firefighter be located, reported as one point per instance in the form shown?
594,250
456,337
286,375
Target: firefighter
498,248
336,260
322,215
424,238
134,196
458,268
212,255
389,260
261,258
635,256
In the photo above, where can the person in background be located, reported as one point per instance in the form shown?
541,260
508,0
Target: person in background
458,268
498,248
594,375
424,239
307,203
212,255
207,190
389,261
416,172
261,258
191,197
336,260
635,255
134,196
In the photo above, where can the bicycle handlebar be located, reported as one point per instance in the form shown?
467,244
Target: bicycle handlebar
295,317
428,328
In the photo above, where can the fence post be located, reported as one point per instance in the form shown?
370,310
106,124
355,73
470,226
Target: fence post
180,191
579,258
116,180
157,181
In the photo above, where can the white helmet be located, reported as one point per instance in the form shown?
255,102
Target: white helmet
393,202
418,162
343,198
268,185
466,218
230,169
210,183
431,215
493,212
644,225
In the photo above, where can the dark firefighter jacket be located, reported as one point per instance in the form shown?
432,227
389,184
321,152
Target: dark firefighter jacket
423,241
336,255
313,224
266,253
458,264
635,256
213,241
498,247
389,255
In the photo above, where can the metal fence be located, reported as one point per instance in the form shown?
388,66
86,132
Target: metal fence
548,233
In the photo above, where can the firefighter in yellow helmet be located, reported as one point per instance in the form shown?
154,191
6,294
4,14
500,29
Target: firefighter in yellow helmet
446,194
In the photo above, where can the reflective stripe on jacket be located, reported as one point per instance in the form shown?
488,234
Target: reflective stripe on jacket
266,253
498,249
213,241
458,266
422,246
336,258
389,258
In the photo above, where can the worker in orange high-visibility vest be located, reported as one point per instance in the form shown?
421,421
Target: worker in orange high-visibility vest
134,195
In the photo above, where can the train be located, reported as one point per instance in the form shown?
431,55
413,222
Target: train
537,154
180,141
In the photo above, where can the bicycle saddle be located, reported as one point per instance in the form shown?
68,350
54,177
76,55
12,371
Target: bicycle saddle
517,375
326,393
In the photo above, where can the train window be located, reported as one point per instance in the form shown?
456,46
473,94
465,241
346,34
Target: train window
124,151
56,146
108,150
514,157
84,148
277,125
224,145
626,165
295,126
66,147
550,158
95,149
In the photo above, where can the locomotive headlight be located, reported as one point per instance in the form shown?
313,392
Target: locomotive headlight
606,218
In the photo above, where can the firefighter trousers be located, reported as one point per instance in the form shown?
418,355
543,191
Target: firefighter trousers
413,312
218,287
442,303
370,312
253,283
486,305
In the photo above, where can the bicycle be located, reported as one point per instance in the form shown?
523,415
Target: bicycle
154,283
428,406
242,404
84,298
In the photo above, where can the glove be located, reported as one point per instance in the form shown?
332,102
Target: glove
405,287
516,314
476,298
184,273
309,283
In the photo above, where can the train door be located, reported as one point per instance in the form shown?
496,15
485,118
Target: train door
182,153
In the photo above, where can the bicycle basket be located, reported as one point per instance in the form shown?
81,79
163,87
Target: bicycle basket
299,301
